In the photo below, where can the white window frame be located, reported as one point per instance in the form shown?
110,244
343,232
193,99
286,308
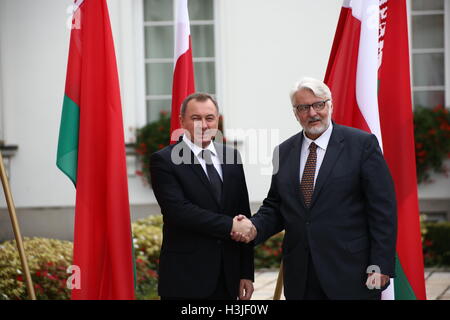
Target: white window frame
140,64
145,60
445,50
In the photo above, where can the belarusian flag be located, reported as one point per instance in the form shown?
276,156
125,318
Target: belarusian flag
91,151
368,73
183,74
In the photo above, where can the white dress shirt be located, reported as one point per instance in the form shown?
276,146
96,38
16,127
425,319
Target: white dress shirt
198,153
322,144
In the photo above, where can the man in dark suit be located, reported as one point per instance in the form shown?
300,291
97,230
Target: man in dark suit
200,186
332,193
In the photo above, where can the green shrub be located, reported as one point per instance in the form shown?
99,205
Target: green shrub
147,279
436,243
432,140
151,138
147,239
48,261
268,254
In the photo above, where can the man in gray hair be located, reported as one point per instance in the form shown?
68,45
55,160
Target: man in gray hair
334,197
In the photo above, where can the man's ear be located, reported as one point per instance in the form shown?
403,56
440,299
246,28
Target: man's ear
296,115
180,117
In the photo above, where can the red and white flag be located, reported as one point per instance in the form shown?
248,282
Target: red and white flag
183,74
368,73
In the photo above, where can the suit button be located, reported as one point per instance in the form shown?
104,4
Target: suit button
219,242
308,223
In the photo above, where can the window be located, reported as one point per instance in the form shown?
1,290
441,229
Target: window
159,46
428,51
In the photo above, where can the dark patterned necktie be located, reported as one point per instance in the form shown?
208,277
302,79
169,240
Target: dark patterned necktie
213,175
307,182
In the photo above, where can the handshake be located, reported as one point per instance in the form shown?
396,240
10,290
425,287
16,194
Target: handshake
243,229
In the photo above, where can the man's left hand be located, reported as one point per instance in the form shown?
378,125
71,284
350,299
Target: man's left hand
376,280
245,289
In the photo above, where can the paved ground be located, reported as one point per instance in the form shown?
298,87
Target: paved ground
437,284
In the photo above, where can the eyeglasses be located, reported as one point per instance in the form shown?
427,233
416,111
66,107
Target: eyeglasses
317,106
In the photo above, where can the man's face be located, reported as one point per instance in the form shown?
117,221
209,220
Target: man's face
200,122
313,122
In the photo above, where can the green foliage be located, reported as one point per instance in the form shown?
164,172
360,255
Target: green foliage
147,234
150,138
147,239
436,243
432,137
147,279
268,254
48,260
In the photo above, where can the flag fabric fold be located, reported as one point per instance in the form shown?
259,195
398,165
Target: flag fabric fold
91,152
183,74
368,73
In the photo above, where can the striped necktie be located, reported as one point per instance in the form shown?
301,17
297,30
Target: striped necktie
307,182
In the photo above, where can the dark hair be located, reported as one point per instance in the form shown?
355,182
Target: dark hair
198,96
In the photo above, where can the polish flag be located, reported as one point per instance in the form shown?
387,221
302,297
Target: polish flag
183,74
368,73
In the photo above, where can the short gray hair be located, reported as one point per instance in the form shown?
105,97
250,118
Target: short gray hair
198,96
317,87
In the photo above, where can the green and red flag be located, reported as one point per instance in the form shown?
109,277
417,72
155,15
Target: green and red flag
91,152
368,73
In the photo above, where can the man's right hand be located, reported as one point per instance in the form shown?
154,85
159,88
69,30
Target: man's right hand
243,229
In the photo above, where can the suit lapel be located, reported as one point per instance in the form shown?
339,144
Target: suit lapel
294,167
334,148
221,154
191,161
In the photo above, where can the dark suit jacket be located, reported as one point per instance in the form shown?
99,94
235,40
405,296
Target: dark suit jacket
351,223
196,232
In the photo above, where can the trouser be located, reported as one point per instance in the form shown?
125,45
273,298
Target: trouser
220,293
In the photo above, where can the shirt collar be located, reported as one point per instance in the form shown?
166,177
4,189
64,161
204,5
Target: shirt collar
322,141
196,149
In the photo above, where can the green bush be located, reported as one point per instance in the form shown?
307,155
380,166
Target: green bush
268,254
151,138
48,260
147,239
436,243
432,140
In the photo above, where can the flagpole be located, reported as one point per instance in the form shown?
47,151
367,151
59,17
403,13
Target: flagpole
279,286
16,229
